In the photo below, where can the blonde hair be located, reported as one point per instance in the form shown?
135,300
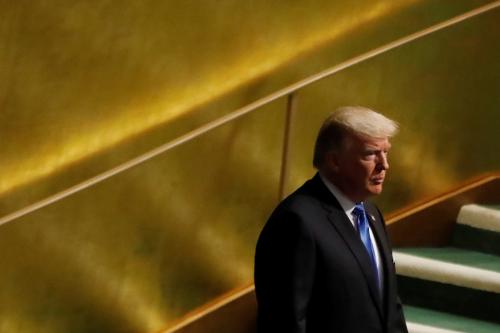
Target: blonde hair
354,119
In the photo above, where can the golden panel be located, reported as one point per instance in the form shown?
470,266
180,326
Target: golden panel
83,77
87,86
80,78
143,248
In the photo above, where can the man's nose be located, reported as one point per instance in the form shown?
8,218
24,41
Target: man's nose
383,161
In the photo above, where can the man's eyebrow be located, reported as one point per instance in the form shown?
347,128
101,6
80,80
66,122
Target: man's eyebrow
374,148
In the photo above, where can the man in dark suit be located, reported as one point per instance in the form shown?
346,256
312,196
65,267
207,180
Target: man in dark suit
323,262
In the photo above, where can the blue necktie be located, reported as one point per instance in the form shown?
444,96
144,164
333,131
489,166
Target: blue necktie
364,233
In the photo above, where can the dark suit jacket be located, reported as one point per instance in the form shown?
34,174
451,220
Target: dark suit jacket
313,274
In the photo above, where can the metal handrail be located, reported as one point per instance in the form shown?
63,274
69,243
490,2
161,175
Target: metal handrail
287,91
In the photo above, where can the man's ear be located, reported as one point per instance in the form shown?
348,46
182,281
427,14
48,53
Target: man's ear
332,161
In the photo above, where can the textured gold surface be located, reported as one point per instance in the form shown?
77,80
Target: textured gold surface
88,85
82,77
138,250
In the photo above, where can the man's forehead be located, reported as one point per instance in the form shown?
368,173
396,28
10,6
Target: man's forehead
371,142
377,143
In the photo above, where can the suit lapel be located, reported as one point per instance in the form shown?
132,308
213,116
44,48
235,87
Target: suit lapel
344,227
385,252
342,224
379,233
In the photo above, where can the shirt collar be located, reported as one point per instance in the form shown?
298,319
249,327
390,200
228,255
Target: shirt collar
346,203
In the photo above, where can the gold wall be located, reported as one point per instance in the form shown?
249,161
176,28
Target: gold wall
88,85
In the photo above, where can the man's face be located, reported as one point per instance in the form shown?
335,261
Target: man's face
359,168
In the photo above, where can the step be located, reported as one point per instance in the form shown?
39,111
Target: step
480,217
420,320
478,228
450,279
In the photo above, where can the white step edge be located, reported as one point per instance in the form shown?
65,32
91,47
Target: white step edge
445,272
479,217
419,328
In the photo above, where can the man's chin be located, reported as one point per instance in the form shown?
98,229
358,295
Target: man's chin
376,189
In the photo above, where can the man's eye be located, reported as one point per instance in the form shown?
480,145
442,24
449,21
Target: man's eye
368,155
